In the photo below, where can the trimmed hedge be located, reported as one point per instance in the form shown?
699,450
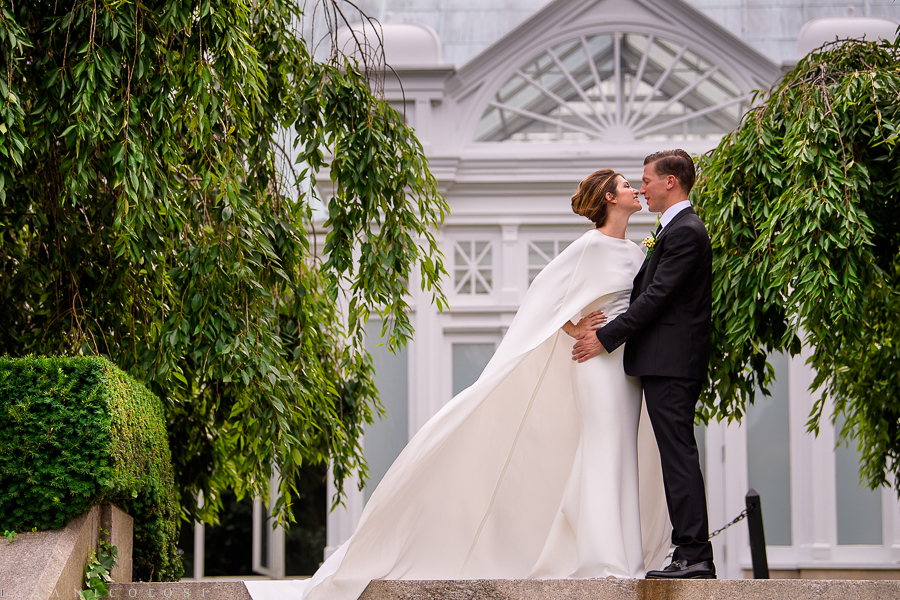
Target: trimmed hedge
78,432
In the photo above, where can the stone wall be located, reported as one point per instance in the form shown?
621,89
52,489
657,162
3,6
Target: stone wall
50,564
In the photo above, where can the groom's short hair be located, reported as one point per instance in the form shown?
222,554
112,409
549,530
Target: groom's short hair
677,163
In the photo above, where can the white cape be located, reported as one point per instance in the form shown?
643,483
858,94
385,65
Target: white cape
477,492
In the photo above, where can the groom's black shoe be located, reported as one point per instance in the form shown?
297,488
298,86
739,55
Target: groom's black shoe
679,569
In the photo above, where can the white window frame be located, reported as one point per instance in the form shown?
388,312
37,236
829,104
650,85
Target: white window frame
624,113
530,235
491,235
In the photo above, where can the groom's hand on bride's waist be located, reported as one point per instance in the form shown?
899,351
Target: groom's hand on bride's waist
587,347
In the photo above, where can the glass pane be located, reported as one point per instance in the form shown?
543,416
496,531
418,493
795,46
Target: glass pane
480,287
486,279
536,131
547,249
387,436
858,507
186,547
709,92
522,94
571,92
540,253
458,276
599,52
465,277
489,123
706,127
545,72
660,57
228,546
570,54
602,53
689,69
768,454
632,49
304,541
265,531
469,360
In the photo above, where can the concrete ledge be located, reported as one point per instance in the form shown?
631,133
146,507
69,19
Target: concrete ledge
807,573
49,565
552,589
189,590
633,589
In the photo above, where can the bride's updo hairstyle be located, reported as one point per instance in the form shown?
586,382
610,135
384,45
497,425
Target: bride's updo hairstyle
590,200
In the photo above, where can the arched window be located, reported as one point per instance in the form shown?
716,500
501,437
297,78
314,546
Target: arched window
616,87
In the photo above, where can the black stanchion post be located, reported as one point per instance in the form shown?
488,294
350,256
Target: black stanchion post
757,535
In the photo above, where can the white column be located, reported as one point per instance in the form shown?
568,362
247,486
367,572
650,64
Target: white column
812,486
509,255
891,516
715,491
736,547
199,550
426,366
199,544
422,123
343,520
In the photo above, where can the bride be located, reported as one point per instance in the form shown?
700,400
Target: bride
544,467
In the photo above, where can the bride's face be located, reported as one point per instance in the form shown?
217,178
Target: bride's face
627,197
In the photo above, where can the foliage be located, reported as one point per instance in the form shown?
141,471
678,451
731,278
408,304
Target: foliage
96,573
79,432
9,535
803,206
151,212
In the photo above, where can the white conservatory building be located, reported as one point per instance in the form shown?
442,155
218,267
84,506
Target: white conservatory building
582,85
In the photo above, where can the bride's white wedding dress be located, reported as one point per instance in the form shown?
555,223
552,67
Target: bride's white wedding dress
538,470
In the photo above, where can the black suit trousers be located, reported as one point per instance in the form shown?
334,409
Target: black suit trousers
670,404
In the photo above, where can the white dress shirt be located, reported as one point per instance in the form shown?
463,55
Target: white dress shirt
672,211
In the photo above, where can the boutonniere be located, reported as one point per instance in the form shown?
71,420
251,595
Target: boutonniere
649,243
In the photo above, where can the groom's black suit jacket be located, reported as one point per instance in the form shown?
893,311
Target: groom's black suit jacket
667,326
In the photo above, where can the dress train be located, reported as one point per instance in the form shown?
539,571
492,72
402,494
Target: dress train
539,469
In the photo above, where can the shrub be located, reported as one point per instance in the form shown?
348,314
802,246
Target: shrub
79,432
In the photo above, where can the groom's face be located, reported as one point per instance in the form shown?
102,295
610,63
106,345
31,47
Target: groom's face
655,188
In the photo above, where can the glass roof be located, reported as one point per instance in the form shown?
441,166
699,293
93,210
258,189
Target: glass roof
615,87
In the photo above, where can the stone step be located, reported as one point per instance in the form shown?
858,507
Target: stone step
555,589
183,590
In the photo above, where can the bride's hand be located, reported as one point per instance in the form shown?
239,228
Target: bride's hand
590,322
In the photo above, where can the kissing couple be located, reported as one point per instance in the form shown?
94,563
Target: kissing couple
573,455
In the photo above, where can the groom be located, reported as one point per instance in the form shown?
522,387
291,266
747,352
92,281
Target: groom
667,328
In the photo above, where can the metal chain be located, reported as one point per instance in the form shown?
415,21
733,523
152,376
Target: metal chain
737,519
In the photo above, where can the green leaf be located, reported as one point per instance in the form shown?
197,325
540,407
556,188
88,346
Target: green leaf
150,182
